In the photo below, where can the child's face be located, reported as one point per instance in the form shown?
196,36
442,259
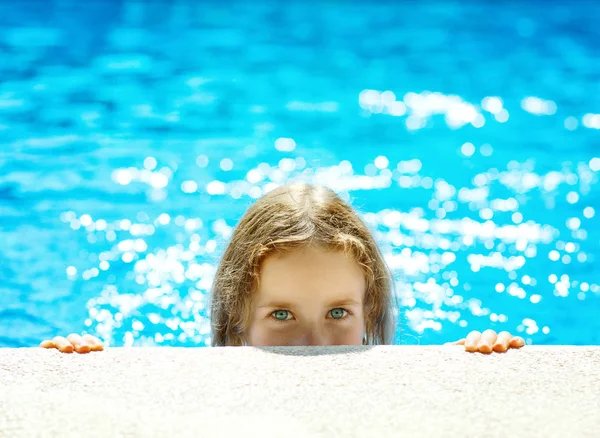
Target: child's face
308,297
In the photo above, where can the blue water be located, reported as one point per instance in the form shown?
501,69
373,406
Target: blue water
133,136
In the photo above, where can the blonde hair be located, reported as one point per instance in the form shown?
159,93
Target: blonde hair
291,217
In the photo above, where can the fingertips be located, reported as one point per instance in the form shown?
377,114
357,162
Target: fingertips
517,342
80,345
459,342
74,342
47,344
502,342
94,343
62,344
472,341
486,341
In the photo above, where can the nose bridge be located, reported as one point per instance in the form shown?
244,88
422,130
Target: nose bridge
314,333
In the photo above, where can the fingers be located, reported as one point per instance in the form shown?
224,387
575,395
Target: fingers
80,345
502,342
472,341
487,340
74,342
62,344
94,343
47,344
517,342
459,342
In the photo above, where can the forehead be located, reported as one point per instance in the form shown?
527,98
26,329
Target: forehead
311,272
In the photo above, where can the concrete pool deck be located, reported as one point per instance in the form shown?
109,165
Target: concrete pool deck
385,391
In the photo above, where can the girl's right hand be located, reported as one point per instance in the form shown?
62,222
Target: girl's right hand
74,343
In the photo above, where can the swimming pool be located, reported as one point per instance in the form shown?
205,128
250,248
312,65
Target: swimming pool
133,135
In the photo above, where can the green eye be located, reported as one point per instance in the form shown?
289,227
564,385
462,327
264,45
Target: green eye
337,313
281,315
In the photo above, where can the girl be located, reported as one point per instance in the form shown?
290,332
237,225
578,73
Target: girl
302,269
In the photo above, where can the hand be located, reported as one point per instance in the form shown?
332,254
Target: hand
74,342
489,341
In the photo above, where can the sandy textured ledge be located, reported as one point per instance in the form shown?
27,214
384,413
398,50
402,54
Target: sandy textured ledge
387,391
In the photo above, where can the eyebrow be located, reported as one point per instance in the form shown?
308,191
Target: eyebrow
287,305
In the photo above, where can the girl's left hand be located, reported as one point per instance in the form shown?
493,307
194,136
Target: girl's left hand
489,341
